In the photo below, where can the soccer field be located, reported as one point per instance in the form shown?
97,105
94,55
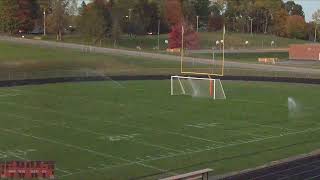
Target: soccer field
135,129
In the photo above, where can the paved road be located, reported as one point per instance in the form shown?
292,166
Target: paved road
228,64
201,51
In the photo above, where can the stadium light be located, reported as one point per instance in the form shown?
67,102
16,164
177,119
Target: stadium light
197,23
44,22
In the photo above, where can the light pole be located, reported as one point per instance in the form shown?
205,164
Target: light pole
197,23
251,19
159,34
44,22
315,33
130,26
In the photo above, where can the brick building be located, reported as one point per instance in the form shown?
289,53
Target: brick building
304,52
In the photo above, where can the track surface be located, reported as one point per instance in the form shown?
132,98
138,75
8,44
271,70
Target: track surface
304,168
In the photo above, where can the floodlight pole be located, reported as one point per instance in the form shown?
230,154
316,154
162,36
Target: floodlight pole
223,46
182,47
159,34
251,24
197,23
130,26
315,33
44,22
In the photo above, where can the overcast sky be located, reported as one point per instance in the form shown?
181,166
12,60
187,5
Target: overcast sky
309,6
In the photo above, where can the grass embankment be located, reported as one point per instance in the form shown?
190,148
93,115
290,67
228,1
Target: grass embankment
207,41
26,61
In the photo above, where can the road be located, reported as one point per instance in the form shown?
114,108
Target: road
201,51
157,56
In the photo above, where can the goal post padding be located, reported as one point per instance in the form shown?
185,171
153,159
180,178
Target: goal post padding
197,87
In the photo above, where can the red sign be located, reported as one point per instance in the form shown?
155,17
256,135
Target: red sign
27,169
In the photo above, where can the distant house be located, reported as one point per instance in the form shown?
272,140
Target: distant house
305,52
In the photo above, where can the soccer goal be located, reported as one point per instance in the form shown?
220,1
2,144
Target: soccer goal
197,87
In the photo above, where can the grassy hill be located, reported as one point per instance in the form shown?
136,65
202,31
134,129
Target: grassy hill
207,40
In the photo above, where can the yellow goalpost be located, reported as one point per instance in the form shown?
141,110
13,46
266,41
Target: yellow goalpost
220,70
194,86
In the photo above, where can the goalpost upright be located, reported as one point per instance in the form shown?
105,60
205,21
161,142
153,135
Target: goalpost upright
196,86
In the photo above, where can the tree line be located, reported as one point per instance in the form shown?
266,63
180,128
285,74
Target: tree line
102,19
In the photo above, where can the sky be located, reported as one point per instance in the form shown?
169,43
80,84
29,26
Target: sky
309,7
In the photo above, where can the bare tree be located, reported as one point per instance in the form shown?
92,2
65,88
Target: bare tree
57,20
316,19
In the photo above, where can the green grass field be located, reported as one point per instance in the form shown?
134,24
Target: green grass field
117,130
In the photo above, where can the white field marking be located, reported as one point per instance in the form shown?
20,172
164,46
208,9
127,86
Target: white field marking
82,149
63,171
9,95
116,82
220,147
126,137
296,174
140,159
273,127
272,173
265,125
195,126
121,137
313,177
163,132
103,165
98,169
90,167
136,126
209,149
111,122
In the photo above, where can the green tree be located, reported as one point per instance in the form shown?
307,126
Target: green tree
9,21
267,10
296,27
294,9
280,22
57,20
202,9
27,13
95,22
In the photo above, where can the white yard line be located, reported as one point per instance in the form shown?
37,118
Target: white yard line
9,95
112,122
85,131
134,126
82,149
211,149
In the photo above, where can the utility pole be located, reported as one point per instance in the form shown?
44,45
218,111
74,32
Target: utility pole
159,34
130,25
44,22
251,19
197,23
315,33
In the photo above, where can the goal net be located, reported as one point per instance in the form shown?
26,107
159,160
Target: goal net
197,87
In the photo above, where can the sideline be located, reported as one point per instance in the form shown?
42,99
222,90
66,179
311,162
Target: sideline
12,83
